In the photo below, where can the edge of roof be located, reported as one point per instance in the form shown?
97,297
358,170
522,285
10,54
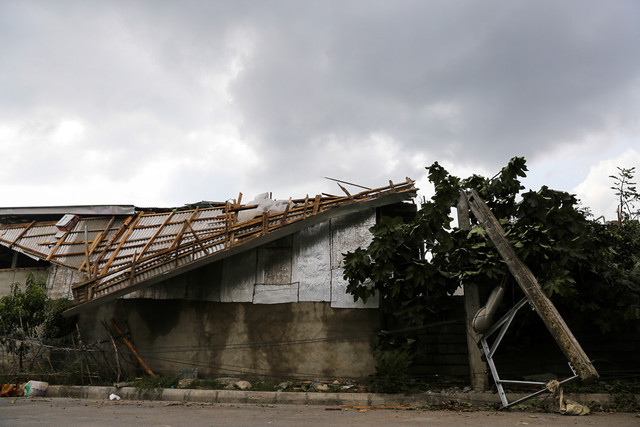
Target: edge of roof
72,209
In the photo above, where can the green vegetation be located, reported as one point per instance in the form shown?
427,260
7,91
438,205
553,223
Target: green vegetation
30,314
392,372
155,383
627,194
590,269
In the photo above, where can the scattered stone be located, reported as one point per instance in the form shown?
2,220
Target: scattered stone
243,385
284,385
227,380
467,389
320,387
346,387
336,382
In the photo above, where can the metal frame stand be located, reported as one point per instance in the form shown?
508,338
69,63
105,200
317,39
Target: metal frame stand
503,324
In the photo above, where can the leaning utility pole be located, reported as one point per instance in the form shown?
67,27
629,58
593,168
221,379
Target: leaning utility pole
527,281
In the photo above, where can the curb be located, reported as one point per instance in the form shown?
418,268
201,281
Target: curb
300,398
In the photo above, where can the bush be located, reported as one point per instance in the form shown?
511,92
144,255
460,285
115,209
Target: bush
392,371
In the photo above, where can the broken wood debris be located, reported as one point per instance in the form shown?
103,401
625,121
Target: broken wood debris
130,347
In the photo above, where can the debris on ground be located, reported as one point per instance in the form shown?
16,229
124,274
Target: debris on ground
11,390
565,406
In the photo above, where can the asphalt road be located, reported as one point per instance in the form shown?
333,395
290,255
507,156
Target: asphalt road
77,412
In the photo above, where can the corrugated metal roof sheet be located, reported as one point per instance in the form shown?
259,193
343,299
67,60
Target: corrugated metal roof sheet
120,252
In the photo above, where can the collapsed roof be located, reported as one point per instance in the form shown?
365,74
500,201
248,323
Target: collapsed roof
119,254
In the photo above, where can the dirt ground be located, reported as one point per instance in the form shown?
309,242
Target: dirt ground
77,412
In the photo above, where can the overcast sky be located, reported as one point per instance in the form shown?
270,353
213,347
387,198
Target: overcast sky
161,103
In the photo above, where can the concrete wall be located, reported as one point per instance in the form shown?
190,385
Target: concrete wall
300,340
60,279
9,276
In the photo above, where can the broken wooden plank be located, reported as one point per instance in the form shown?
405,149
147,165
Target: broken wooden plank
130,347
348,183
265,223
346,192
527,281
316,204
283,221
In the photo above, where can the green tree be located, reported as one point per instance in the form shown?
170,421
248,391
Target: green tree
25,310
627,194
416,265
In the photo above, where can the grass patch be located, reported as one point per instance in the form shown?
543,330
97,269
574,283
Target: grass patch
263,386
206,384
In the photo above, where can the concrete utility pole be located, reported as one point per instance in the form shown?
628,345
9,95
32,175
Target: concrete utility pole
477,367
527,281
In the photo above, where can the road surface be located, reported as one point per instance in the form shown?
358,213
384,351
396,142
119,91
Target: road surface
77,412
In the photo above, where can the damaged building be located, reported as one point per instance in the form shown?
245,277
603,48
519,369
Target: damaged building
227,288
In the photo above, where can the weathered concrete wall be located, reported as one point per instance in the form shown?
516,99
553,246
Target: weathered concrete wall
9,276
303,339
60,279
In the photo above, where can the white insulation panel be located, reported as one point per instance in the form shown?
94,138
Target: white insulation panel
312,263
275,294
238,277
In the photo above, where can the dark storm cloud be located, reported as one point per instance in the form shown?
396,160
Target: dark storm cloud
519,77
354,89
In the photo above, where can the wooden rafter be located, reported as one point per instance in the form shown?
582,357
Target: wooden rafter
21,234
178,238
122,242
113,239
57,245
198,239
86,264
156,234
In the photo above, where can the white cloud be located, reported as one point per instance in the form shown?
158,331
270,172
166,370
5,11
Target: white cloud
595,191
67,133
